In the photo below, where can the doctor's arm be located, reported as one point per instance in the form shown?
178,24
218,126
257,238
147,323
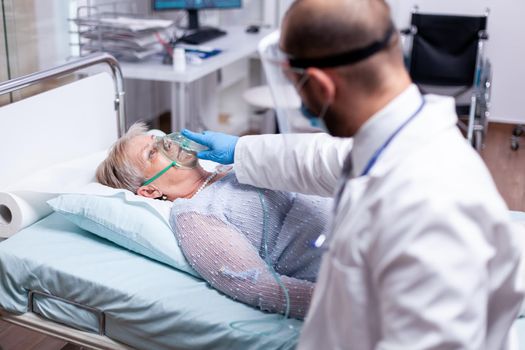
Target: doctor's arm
432,282
230,263
304,163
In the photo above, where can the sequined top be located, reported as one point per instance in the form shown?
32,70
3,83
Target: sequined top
221,233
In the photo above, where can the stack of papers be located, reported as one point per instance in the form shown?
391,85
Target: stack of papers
126,38
136,24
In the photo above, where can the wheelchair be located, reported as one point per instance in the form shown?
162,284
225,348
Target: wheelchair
445,54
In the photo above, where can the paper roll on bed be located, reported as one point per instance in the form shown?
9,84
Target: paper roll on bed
24,203
19,210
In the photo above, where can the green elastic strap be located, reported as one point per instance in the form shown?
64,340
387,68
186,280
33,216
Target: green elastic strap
159,174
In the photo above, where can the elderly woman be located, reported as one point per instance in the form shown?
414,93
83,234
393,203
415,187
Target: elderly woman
228,231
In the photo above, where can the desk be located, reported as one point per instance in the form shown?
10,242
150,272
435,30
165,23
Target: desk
235,45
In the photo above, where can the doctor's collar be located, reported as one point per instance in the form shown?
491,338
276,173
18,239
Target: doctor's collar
346,58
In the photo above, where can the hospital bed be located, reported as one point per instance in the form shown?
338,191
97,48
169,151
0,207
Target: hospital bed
57,279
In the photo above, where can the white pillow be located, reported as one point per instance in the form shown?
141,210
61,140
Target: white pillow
136,223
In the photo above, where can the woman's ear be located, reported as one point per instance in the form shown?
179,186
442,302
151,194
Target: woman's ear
149,191
323,83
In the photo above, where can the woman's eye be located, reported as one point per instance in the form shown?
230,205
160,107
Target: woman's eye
152,153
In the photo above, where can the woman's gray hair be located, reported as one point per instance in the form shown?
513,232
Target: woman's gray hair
119,169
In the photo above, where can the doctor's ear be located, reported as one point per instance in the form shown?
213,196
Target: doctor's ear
322,82
149,191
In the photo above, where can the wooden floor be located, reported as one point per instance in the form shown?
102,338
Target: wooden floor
18,338
507,168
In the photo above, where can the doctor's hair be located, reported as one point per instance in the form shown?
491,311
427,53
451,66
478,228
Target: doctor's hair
119,169
320,28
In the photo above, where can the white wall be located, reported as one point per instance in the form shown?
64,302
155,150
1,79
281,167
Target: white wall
505,48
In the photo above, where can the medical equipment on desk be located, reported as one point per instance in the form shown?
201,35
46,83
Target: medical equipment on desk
179,60
195,54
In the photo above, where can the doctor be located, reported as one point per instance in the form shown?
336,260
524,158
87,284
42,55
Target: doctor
422,254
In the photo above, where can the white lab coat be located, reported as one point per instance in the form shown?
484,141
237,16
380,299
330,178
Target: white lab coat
423,255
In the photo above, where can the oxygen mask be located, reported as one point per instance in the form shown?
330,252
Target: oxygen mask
179,149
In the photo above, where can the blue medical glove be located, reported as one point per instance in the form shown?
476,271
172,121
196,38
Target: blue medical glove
221,146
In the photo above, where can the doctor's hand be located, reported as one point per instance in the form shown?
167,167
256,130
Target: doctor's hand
221,146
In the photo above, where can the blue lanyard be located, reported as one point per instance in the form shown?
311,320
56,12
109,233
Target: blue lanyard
378,152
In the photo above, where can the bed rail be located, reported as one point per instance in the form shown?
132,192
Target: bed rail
101,316
71,67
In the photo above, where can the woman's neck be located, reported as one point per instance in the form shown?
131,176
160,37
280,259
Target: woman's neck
193,181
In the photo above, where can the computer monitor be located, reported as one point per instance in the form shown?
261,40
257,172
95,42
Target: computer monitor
193,6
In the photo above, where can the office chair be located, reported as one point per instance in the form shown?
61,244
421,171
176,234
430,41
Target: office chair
447,51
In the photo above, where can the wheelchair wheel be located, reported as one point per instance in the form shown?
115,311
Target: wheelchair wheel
518,130
478,140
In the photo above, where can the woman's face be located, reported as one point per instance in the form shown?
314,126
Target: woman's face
173,151
150,160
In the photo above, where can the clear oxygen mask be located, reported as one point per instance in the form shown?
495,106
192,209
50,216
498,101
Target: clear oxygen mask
180,149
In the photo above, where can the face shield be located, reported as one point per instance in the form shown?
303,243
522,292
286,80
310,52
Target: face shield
287,75
284,82
180,150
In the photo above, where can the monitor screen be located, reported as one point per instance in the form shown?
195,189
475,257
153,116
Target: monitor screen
195,4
